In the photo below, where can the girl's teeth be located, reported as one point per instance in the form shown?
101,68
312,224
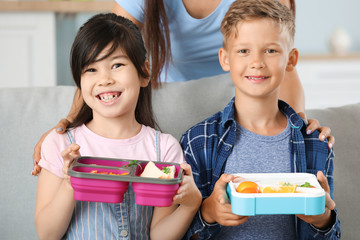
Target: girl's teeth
107,98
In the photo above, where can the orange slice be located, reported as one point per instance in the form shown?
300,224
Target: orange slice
279,189
108,173
248,187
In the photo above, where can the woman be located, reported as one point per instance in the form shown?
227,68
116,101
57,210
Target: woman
183,38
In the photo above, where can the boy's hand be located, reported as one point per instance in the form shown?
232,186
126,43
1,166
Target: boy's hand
321,221
69,155
188,194
216,208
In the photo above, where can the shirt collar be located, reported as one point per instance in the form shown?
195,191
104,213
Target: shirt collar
228,114
294,119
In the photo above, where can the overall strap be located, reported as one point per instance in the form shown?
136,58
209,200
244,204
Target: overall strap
70,136
157,146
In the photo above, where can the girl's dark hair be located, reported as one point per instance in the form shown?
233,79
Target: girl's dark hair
97,33
157,36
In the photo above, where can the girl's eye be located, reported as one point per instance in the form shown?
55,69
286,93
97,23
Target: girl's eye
90,70
271,51
243,51
117,65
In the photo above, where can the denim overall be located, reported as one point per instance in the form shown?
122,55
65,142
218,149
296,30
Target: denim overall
126,220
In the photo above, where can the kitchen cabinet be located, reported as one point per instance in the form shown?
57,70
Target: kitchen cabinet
330,81
28,43
27,49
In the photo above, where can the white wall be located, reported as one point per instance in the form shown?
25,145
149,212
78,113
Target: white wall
316,19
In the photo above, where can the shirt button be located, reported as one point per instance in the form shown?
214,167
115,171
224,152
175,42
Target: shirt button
227,148
124,233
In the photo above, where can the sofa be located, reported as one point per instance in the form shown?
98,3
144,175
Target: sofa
27,113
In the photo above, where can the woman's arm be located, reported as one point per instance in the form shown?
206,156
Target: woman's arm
118,10
60,128
292,91
75,107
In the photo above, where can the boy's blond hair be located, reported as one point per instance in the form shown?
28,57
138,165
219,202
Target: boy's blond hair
243,10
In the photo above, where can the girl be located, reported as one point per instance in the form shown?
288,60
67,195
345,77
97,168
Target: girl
109,66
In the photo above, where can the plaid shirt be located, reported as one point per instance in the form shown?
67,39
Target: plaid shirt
208,144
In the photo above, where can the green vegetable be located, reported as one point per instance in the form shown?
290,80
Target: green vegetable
166,170
307,184
287,184
133,162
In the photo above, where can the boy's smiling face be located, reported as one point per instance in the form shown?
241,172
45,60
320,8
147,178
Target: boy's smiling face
258,56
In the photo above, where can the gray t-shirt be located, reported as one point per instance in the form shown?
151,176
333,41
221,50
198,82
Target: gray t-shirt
254,153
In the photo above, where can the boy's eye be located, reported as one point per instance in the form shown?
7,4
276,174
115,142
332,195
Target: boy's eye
243,51
117,65
270,51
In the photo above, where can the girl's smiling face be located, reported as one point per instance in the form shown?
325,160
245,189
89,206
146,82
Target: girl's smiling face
257,57
110,86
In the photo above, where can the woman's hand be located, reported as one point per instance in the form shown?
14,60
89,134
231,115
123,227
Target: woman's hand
313,125
60,128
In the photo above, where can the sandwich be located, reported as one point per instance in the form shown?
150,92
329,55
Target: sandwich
152,171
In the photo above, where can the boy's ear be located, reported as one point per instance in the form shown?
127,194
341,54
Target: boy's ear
224,59
293,59
144,82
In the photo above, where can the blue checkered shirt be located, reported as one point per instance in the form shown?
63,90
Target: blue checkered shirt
208,144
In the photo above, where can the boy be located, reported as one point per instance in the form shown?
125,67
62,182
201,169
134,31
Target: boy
256,132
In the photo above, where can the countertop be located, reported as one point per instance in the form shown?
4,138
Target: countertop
320,57
56,6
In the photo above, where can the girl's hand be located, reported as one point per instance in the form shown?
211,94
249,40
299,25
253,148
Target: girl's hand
188,194
69,155
313,125
216,208
60,128
321,221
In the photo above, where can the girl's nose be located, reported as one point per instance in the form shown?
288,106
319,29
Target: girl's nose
106,80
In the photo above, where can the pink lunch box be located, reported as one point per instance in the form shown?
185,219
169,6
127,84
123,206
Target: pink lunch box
113,177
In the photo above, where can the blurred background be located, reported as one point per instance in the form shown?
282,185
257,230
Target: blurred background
316,22
36,37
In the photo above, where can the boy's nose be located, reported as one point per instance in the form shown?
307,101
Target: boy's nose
257,62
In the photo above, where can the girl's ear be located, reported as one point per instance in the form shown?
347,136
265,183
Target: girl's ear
293,59
144,82
224,59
